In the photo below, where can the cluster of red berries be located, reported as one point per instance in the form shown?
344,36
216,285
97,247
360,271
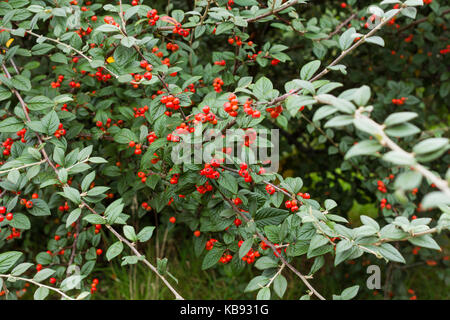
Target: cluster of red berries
225,258
100,76
190,88
270,189
21,134
209,171
220,63
94,285
243,172
274,62
249,110
7,144
27,203
304,195
140,112
237,222
217,84
15,233
231,107
384,204
446,50
151,137
172,47
58,82
236,40
74,84
381,186
60,131
204,188
206,116
97,229
173,138
81,32
291,204
148,67
138,147
179,30
253,57
210,244
110,20
409,38
146,206
143,176
171,102
275,112
104,126
9,216
174,178
251,254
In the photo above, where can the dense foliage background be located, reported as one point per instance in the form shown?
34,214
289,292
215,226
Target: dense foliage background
95,96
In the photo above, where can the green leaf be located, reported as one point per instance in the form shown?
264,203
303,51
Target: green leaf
73,216
308,70
365,147
21,83
391,253
39,103
245,247
129,233
408,180
262,88
114,250
425,241
72,194
430,145
8,259
280,285
41,293
50,122
263,294
399,117
43,274
20,221
402,130
21,268
94,219
11,124
268,216
145,234
40,208
265,263
350,293
212,257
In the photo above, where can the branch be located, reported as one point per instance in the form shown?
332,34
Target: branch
387,142
38,284
137,253
274,249
336,61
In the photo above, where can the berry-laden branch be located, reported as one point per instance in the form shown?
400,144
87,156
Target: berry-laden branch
385,141
7,276
47,159
274,249
137,253
343,54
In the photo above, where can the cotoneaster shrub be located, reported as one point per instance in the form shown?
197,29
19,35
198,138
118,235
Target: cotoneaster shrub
97,98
